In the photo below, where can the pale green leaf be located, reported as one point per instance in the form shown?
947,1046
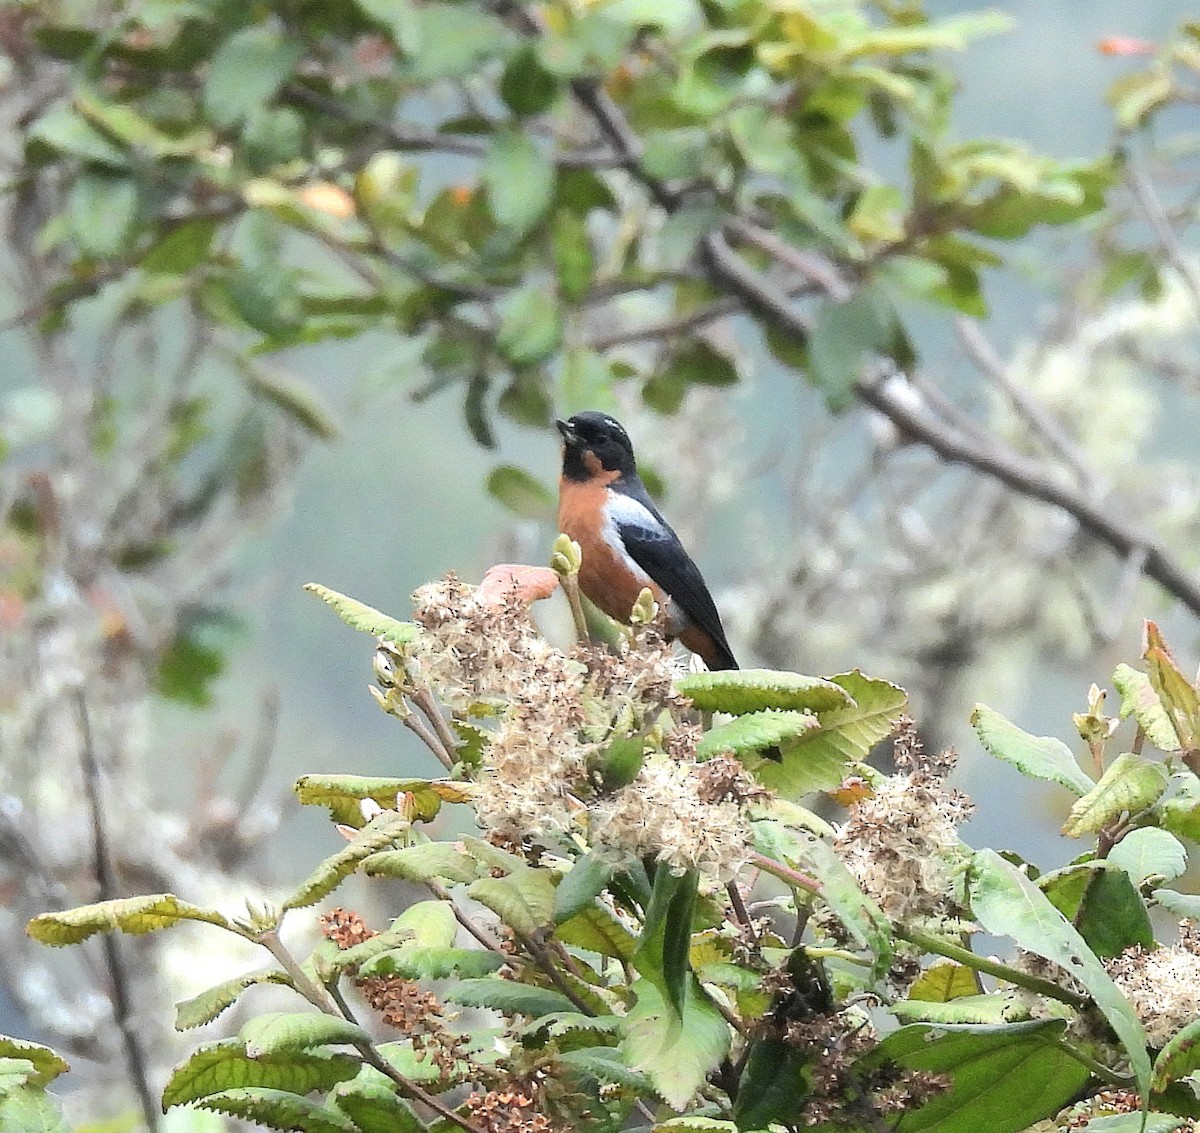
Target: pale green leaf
134,915
1149,852
1041,757
344,795
519,180
754,732
530,326
1129,785
1180,1057
523,900
246,70
297,399
1006,903
943,982
282,1032
522,494
359,616
433,963
993,1008
1139,700
738,691
509,997
45,1064
422,863
371,1101
206,1006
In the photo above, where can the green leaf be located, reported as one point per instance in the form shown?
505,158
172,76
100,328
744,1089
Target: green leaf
526,86
371,1102
662,952
755,732
519,181
297,399
183,248
1186,906
422,863
774,1085
1100,900
366,618
816,760
382,831
597,930
344,794
433,963
573,256
524,900
522,494
1139,700
843,336
45,1064
530,326
63,130
1006,903
206,1006
1179,1058
1004,1078
281,1032
943,982
992,1009
225,1065
738,691
103,208
509,997
453,40
1134,1123
134,915
1129,785
1148,853
1177,694
1040,757
278,1110
676,1049
604,1065
580,886
571,1025
29,1109
246,71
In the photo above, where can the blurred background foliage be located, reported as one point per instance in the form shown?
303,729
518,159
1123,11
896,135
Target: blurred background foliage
897,301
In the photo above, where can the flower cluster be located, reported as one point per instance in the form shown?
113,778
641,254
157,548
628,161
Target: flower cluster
1163,985
549,712
901,843
511,1110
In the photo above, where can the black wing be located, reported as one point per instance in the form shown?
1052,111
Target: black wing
658,551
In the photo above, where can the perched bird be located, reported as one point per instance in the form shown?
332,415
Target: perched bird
627,545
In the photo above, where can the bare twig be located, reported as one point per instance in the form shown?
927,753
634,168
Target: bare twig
1168,239
106,883
821,272
424,700
418,725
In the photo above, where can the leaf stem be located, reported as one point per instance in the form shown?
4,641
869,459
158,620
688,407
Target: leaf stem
425,701
969,959
570,585
785,873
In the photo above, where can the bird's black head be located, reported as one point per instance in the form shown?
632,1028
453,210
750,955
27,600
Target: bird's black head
594,444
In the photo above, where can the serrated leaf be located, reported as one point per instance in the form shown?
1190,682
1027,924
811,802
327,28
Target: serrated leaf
943,982
30,1109
371,1102
1006,903
383,830
595,929
754,732
519,180
433,963
676,1049
694,1123
343,795
568,1024
522,494
1100,900
1186,906
360,616
280,1032
422,863
226,1065
662,952
206,1006
134,915
817,759
1176,693
1139,700
1130,784
417,1066
509,997
605,1065
992,1008
46,1064
279,1110
1179,1058
993,1071
1041,757
738,691
523,900
1149,852
246,70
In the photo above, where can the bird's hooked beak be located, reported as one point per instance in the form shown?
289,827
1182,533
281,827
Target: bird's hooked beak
568,433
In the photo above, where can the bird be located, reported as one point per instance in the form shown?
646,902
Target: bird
625,542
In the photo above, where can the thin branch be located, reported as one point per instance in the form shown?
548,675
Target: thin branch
819,271
987,361
424,700
106,881
417,724
1168,239
668,328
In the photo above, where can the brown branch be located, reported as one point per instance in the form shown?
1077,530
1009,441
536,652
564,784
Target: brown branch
106,883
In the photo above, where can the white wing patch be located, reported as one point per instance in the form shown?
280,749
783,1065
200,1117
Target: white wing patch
620,511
